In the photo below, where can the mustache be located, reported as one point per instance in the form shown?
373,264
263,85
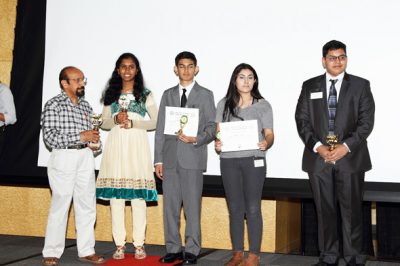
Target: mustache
81,88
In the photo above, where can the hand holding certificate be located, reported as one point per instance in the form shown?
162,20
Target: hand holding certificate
181,120
239,136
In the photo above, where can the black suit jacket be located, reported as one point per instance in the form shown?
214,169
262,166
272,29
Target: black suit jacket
353,122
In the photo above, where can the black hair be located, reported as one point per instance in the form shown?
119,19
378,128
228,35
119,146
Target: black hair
185,55
233,97
114,87
332,45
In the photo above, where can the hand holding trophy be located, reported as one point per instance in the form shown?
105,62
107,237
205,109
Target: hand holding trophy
331,140
217,142
182,123
122,118
96,121
123,103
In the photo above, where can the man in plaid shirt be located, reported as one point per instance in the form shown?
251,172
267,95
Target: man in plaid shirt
68,132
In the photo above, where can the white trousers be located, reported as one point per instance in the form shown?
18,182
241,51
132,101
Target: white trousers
71,176
139,209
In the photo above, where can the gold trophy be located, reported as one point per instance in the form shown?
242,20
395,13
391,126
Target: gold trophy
96,121
182,123
331,140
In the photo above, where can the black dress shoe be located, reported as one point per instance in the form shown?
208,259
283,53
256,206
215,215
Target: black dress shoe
188,259
321,263
171,257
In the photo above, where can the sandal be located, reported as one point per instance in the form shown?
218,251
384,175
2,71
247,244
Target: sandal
119,253
140,253
50,261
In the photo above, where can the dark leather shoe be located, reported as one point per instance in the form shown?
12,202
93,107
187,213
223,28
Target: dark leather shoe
188,259
321,263
171,257
352,262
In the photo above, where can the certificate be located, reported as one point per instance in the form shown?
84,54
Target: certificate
239,135
185,120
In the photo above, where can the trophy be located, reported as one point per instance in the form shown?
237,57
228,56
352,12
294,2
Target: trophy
218,135
182,123
96,121
123,103
331,140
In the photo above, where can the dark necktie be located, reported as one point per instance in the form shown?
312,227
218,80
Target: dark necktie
332,102
183,98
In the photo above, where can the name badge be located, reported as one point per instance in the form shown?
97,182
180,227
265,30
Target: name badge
316,95
259,163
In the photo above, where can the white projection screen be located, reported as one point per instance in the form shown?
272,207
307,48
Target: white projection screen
282,40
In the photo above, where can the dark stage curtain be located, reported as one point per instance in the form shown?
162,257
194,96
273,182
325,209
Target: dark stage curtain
19,157
388,230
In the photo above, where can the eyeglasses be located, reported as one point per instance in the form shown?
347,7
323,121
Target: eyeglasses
332,58
79,80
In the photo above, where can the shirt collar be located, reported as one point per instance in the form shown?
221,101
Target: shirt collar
66,97
338,77
188,88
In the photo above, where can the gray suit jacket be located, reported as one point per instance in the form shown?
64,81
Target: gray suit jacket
170,151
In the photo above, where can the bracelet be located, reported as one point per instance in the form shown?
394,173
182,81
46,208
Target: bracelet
115,120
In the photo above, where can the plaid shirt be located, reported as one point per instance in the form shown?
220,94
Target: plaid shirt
62,121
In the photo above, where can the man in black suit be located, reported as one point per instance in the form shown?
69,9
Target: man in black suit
341,105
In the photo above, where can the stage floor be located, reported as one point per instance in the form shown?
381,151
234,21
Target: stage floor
20,250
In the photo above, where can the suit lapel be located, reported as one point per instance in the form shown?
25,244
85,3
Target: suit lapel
323,107
341,108
343,91
175,99
322,86
193,95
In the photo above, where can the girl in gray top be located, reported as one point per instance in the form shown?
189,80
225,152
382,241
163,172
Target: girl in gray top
243,172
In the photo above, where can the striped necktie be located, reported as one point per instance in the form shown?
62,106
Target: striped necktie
332,102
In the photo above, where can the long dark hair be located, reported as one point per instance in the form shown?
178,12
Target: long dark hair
233,97
114,87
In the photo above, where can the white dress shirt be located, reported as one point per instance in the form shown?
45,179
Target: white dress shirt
188,89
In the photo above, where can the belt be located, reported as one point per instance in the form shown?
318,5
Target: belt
76,147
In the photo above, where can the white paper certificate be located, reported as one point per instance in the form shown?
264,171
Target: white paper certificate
239,136
177,118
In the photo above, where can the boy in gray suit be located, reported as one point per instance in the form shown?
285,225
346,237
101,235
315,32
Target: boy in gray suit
181,160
